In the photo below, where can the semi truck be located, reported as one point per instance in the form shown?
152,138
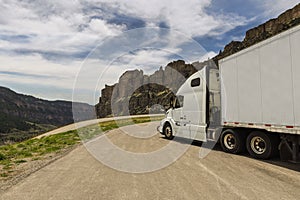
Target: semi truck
250,102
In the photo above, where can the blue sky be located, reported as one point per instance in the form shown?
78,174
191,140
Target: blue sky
45,45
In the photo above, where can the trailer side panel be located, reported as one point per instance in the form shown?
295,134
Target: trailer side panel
277,84
229,91
249,87
295,49
261,84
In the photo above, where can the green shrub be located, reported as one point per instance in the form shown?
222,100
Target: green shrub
2,157
3,175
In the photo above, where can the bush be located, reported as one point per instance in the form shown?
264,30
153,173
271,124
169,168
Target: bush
2,157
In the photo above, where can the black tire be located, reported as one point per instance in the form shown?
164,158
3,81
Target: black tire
168,132
233,141
262,145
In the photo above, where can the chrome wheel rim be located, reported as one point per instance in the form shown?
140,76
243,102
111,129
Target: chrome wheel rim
168,131
229,141
258,145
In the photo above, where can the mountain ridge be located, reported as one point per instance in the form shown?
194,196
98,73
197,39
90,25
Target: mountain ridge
23,116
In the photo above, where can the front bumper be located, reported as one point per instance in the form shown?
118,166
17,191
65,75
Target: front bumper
160,129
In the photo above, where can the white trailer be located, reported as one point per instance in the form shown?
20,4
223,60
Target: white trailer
252,102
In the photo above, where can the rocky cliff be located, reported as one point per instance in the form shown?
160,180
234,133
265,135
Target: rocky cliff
286,20
136,93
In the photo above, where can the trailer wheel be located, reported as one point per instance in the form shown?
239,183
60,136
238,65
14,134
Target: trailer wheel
168,131
261,145
232,142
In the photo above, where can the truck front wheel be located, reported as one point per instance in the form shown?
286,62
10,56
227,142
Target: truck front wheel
262,145
232,141
168,131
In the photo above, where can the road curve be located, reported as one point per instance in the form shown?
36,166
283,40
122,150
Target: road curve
79,175
77,125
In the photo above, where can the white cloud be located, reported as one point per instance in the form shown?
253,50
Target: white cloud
207,56
32,31
101,27
149,60
34,66
53,25
68,27
188,17
275,7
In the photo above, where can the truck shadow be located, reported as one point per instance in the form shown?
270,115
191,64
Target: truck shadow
217,147
274,161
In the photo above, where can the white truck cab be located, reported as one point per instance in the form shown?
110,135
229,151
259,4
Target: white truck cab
188,117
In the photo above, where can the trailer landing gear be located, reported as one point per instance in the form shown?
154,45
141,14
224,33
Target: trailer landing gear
289,148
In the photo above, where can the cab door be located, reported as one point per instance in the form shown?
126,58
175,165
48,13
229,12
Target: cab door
194,109
180,118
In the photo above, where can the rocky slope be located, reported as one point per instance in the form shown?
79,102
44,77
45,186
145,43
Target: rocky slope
136,93
22,116
286,20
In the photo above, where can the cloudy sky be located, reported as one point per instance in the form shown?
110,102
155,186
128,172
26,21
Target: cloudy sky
49,47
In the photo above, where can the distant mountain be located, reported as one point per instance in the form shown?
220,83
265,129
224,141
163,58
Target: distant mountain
23,116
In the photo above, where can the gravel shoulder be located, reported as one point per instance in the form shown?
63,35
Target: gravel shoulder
24,170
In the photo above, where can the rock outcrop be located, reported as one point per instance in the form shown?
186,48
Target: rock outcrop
137,93
286,20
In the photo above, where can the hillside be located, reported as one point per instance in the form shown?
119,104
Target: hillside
136,93
23,116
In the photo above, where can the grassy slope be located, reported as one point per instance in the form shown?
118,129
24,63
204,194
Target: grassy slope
35,149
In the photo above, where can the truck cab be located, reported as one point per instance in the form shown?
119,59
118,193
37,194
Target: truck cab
196,108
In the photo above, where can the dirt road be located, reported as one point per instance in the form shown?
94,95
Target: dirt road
79,175
78,125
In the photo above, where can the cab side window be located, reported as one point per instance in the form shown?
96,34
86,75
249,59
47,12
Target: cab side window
195,82
179,101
